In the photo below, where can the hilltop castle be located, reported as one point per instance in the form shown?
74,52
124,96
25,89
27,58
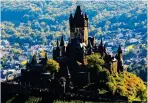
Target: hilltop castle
74,81
80,45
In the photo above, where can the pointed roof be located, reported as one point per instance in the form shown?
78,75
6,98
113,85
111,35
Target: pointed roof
78,9
86,17
119,49
101,41
34,59
57,43
78,12
34,56
62,41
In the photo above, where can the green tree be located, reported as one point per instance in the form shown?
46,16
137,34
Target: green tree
52,66
95,61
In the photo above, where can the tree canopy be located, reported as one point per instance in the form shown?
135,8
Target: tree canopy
52,65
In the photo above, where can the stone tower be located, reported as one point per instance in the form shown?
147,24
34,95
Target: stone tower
120,60
79,26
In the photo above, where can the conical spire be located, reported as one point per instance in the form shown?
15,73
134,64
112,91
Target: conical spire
86,17
104,48
101,41
78,12
46,56
62,41
119,49
57,43
78,9
71,20
33,59
27,65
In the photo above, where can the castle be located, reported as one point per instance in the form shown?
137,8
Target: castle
73,77
80,45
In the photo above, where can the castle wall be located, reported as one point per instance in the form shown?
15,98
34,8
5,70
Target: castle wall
86,35
114,67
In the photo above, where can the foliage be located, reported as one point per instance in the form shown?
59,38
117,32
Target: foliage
42,53
16,51
52,66
95,61
102,91
124,84
128,84
130,47
24,62
112,87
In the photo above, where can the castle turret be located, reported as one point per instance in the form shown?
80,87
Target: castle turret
86,17
120,60
71,20
62,47
62,41
56,51
57,43
101,44
101,48
34,61
27,65
46,58
119,50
